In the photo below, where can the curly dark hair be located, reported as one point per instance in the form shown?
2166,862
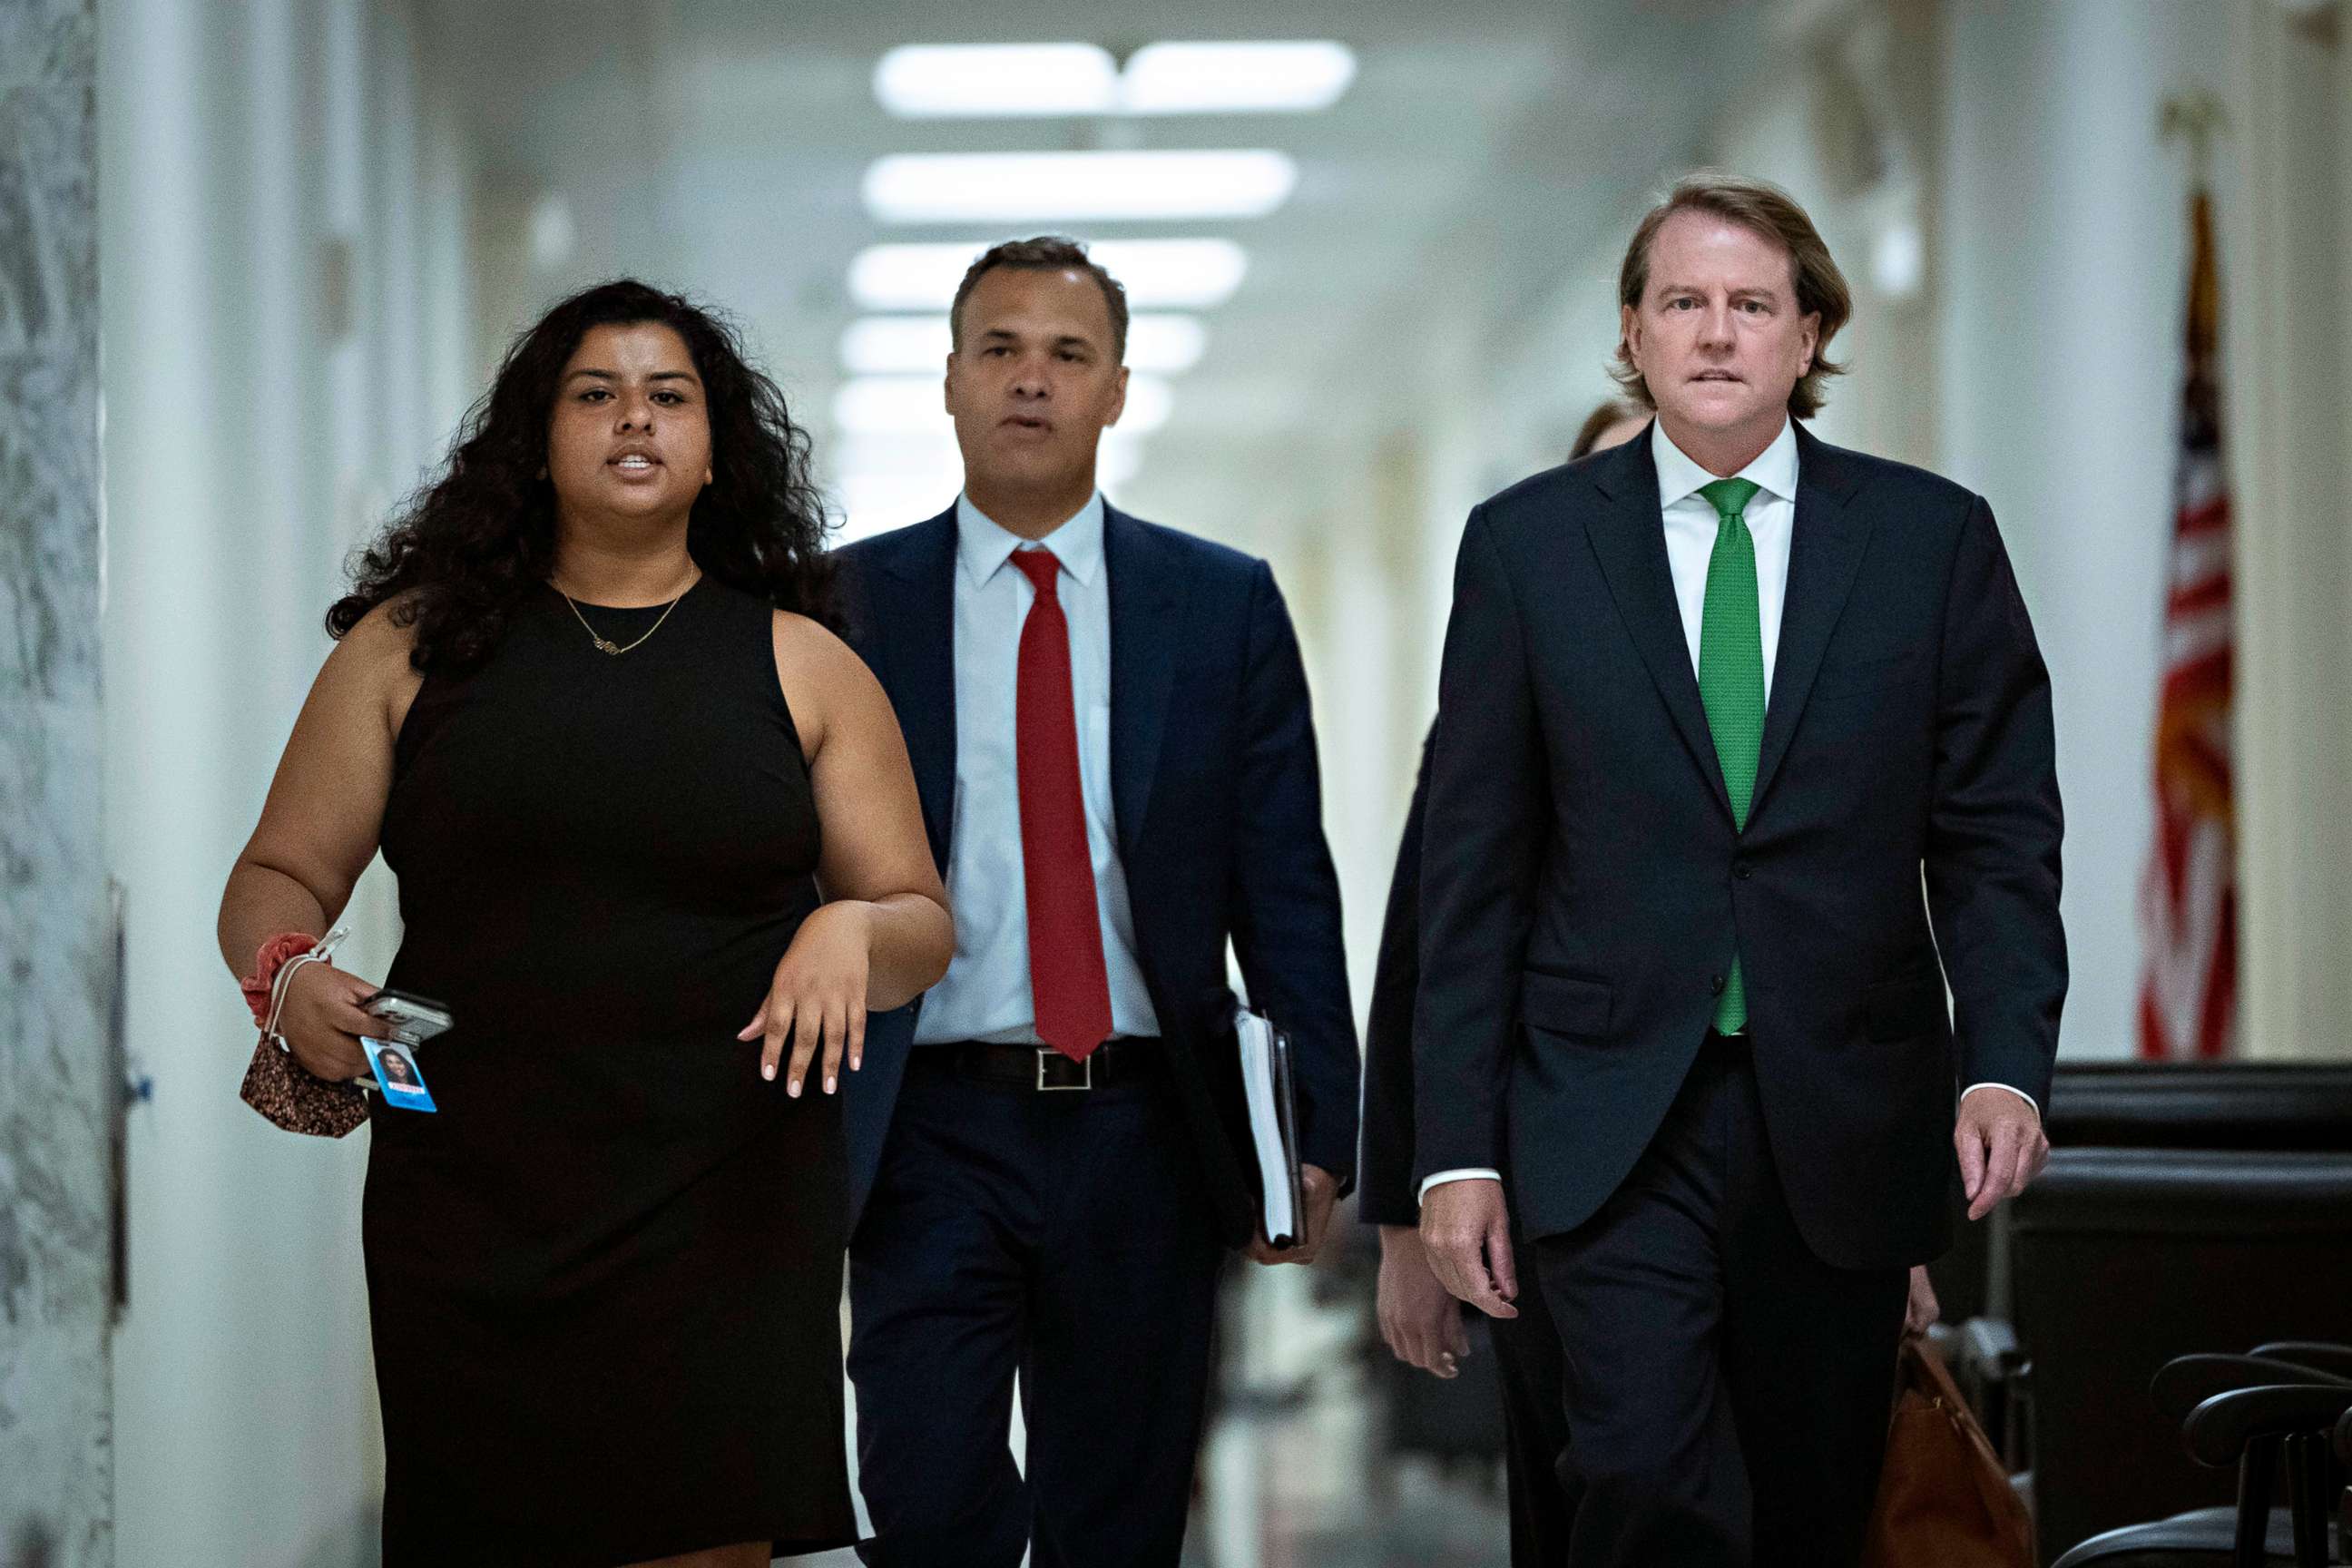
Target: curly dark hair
466,549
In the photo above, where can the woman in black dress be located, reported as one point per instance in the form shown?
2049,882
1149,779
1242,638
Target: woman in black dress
635,794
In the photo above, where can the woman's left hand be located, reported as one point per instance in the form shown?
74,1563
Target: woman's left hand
818,997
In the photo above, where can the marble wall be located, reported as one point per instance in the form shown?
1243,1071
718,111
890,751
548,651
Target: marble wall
56,1082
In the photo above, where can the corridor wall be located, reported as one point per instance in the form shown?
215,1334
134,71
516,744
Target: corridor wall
283,306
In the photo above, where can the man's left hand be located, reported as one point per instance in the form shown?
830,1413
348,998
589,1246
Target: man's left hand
1321,1190
2001,1146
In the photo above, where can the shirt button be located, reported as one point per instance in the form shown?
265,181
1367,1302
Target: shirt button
1714,985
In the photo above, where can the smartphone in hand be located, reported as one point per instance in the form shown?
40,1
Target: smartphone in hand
408,1019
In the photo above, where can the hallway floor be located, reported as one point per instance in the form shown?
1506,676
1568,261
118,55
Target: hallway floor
1295,1481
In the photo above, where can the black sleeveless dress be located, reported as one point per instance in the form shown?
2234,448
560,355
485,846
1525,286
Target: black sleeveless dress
605,1277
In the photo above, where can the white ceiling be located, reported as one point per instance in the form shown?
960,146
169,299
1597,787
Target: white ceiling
1484,149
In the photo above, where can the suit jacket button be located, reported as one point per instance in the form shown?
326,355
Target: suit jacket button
1743,870
1714,985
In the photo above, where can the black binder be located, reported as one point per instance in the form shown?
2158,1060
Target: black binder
1270,1091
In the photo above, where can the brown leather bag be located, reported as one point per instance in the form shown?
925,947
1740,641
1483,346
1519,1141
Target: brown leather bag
1943,1499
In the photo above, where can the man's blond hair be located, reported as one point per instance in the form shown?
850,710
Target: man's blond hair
1771,212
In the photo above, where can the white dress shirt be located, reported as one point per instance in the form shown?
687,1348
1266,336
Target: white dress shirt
1691,524
985,994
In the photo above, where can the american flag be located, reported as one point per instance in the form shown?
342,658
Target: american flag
2188,895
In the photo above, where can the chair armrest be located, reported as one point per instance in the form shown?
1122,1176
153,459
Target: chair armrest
2316,1354
2217,1430
2183,1383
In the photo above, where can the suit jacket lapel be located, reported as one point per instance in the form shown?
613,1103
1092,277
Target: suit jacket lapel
1147,587
1825,550
921,653
1627,535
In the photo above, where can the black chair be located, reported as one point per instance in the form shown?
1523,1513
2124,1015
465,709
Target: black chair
2278,1106
2127,1259
2344,1499
2254,1427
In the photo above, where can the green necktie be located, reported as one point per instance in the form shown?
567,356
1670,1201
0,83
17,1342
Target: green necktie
1731,681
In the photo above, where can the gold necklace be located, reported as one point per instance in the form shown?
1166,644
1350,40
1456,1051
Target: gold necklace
604,645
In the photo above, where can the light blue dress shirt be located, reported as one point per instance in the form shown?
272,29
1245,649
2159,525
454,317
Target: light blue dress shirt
985,996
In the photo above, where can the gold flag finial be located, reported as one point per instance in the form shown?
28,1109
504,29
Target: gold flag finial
2195,117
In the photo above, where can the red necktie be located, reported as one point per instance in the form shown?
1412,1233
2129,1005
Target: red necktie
1068,981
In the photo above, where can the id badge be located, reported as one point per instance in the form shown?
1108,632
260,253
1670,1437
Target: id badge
397,1075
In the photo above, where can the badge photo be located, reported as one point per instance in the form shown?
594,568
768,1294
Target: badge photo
397,1075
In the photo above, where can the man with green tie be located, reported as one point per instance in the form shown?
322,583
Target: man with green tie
1745,753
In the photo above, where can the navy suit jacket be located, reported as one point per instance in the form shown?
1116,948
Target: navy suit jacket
1584,886
1218,804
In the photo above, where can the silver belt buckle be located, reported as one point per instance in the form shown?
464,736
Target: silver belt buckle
1047,1055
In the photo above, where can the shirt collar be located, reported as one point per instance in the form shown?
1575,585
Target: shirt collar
983,544
1774,470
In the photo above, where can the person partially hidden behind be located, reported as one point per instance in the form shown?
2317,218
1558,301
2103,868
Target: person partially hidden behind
1712,705
1419,1319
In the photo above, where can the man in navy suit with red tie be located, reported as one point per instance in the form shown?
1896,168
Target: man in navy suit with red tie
1110,727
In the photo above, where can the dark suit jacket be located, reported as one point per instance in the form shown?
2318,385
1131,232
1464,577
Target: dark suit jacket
1386,1190
1581,866
1219,810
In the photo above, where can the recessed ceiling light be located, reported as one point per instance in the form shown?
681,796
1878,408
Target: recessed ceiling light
892,345
935,81
883,485
554,235
1157,274
1236,78
879,404
1037,187
930,81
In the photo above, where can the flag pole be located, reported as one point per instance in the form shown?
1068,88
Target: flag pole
2187,1004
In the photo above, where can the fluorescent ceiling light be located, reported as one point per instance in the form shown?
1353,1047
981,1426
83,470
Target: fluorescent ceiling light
1157,274
1236,78
1044,187
935,81
932,82
877,502
931,453
876,403
889,482
1165,346
894,345
891,345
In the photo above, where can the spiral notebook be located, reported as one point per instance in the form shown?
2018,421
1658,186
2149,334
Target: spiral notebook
1272,1098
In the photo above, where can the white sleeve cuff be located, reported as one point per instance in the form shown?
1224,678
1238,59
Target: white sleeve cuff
1972,1089
1466,1174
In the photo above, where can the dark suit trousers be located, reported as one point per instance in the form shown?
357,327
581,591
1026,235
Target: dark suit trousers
1727,1392
1543,1485
1063,1236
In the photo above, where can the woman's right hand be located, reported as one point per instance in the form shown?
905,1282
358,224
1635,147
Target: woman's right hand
322,1021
